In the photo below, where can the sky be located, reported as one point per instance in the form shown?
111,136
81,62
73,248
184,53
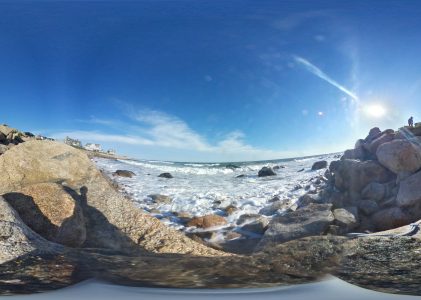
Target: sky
217,80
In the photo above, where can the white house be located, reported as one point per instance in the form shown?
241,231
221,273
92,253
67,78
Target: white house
69,141
93,147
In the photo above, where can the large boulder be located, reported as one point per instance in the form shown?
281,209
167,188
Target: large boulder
16,238
313,219
51,212
165,175
400,155
354,175
374,190
112,220
319,165
389,218
346,218
410,191
373,134
266,171
376,143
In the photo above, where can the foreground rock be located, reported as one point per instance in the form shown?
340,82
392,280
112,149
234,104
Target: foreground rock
410,191
17,239
313,219
51,212
112,221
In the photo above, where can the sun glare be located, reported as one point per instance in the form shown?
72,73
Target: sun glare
375,110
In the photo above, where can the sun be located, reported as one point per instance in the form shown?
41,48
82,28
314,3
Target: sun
374,110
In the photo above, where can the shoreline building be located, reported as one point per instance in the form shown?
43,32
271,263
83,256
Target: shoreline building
72,142
93,147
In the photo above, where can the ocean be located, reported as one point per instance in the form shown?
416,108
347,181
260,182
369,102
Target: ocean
200,189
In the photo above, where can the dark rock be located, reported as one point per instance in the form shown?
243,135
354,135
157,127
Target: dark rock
278,167
368,207
373,134
165,175
334,165
313,219
246,218
374,190
240,176
230,209
266,171
410,191
346,218
376,143
300,170
319,165
259,226
354,175
232,166
390,218
124,173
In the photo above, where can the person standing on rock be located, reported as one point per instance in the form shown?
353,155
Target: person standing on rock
411,122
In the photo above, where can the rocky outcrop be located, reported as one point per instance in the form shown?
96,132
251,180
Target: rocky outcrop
124,173
51,212
112,221
313,219
266,171
346,218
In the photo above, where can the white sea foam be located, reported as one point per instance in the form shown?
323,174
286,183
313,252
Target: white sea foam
201,188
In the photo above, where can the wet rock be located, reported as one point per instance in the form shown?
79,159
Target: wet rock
165,175
390,218
124,173
274,207
207,221
319,165
51,212
278,167
266,171
410,191
230,209
346,218
301,170
313,219
259,226
160,198
246,218
368,207
232,166
240,176
354,175
374,190
400,156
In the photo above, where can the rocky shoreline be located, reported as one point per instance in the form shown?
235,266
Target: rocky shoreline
63,221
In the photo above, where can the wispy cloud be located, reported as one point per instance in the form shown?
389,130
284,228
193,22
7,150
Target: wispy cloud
322,75
96,136
164,131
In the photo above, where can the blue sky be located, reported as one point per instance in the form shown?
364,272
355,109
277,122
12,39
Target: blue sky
212,80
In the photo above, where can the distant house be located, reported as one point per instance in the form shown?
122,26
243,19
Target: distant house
72,142
111,151
93,147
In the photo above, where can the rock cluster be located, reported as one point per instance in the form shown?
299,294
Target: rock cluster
10,137
374,187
